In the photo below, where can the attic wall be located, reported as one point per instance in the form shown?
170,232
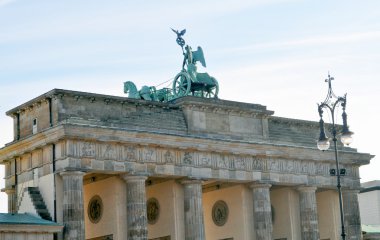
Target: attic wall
121,114
23,118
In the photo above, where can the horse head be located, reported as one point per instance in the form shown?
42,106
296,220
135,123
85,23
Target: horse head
131,90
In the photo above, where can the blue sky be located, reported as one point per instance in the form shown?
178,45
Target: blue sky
272,52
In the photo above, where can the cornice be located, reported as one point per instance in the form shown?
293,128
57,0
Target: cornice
221,106
84,96
299,122
164,140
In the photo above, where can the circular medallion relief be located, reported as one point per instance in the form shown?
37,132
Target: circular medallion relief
220,213
152,210
95,209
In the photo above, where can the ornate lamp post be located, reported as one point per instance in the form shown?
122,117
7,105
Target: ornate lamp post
331,103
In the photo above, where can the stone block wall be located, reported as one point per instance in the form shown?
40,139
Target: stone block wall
40,112
191,116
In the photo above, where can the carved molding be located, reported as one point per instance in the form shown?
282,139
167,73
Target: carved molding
101,152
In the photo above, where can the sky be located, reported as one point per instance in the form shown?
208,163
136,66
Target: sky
272,52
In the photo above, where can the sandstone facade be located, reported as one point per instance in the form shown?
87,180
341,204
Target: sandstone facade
70,144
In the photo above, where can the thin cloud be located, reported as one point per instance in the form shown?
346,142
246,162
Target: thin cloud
100,22
5,2
263,69
312,41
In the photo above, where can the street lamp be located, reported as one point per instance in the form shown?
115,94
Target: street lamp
332,102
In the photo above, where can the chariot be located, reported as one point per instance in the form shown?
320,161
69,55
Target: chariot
191,82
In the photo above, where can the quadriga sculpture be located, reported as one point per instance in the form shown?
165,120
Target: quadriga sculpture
187,82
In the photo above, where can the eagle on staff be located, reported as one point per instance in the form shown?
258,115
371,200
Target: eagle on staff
180,40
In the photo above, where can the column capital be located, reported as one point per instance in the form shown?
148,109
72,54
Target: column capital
260,185
10,191
133,178
306,188
72,173
190,181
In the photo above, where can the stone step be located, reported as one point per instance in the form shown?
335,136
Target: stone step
32,190
38,202
45,216
39,205
43,211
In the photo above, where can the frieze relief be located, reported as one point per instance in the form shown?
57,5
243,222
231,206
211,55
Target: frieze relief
223,162
129,153
239,162
187,158
107,151
148,154
87,149
259,164
168,157
158,155
204,159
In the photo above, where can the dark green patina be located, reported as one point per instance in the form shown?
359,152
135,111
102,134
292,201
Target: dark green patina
187,82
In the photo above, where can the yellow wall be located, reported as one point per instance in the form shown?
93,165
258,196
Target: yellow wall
239,224
286,222
328,215
238,198
112,191
171,219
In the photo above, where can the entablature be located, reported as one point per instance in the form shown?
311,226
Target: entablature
123,136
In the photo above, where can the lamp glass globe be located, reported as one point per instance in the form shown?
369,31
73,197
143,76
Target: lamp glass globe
346,138
323,144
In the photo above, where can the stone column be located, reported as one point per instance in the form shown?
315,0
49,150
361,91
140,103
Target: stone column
73,211
193,207
11,192
262,212
137,223
351,214
308,212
